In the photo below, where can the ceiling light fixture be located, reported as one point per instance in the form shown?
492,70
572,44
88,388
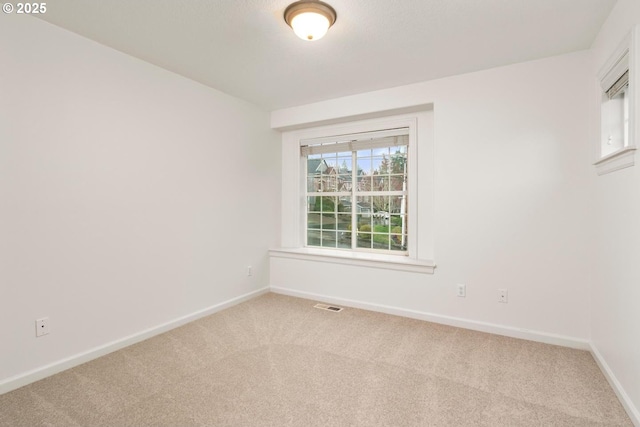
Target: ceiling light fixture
310,19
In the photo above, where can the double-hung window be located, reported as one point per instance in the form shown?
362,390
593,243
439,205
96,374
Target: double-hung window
360,193
357,191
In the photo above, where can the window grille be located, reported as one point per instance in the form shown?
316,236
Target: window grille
356,191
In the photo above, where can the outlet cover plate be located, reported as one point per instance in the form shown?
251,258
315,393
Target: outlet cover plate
503,295
43,326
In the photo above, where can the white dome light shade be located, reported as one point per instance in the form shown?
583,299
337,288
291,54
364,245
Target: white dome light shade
310,26
310,19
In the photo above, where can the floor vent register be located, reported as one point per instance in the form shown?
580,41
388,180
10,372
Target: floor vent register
328,307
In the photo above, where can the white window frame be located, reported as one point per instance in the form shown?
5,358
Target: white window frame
623,59
419,255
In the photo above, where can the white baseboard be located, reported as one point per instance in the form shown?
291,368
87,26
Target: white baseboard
23,379
475,325
623,397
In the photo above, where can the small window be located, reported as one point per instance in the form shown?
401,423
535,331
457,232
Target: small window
356,192
615,116
616,145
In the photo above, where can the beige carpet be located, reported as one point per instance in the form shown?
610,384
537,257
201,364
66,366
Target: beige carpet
277,361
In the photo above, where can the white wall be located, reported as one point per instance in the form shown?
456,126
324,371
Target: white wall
615,308
512,201
129,196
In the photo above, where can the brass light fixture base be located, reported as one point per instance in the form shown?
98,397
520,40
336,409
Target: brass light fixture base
309,6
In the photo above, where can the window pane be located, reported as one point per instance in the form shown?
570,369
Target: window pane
364,240
329,239
383,183
315,165
312,184
313,221
380,205
328,182
396,221
344,164
327,204
380,240
395,163
344,240
364,219
396,182
344,222
398,242
381,151
343,204
328,221
397,204
344,182
313,204
376,165
364,162
313,237
364,209
398,232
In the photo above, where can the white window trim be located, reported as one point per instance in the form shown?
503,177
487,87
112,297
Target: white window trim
363,259
419,257
617,160
624,157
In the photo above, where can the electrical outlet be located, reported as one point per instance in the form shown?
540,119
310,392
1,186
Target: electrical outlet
249,271
502,295
461,290
43,326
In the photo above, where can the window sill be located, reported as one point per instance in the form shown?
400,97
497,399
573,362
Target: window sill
389,262
617,160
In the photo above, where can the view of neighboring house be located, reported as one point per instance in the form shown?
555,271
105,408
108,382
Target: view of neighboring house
380,216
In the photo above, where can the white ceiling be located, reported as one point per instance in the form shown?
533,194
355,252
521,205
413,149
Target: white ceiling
244,47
